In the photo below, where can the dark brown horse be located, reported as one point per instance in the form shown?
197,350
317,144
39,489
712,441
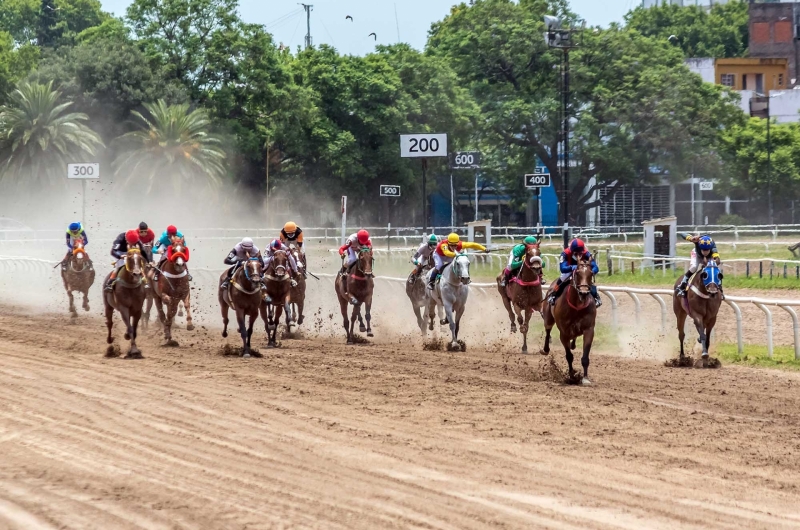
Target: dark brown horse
184,303
418,294
277,279
360,286
244,296
171,289
79,276
525,292
574,314
298,293
702,302
127,297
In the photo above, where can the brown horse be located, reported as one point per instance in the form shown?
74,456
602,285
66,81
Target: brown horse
79,276
360,285
702,302
278,281
525,292
151,295
243,295
171,289
574,314
298,293
127,297
418,294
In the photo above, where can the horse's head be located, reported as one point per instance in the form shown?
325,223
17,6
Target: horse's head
461,268
582,278
253,270
178,257
134,264
712,278
533,259
365,261
280,263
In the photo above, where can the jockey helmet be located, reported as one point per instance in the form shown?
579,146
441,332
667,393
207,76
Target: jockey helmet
74,227
453,238
143,226
290,227
363,237
530,240
276,244
247,242
171,230
132,237
518,251
577,246
706,243
433,240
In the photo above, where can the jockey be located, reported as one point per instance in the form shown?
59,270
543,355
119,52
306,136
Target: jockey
124,242
572,255
704,249
147,237
445,253
291,233
275,246
516,258
163,243
75,232
243,251
422,256
351,248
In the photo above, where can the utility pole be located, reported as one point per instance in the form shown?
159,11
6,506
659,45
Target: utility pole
308,8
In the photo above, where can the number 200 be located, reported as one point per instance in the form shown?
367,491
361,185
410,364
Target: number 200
423,145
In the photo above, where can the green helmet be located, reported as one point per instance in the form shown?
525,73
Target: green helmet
518,251
433,240
530,240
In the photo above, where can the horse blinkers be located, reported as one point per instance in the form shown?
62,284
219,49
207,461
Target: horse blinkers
367,267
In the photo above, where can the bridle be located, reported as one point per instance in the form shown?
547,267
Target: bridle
361,268
582,289
280,270
456,267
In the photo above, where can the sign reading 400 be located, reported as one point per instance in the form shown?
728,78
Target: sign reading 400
423,145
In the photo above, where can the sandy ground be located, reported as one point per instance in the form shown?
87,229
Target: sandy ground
385,435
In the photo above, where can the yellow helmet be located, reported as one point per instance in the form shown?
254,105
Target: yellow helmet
290,227
453,238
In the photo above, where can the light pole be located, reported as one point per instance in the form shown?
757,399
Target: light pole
556,37
765,100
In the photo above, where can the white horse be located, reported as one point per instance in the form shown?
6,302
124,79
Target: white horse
451,292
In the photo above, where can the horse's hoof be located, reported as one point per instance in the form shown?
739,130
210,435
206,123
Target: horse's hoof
245,355
109,340
443,322
86,308
370,334
585,381
73,315
127,336
513,328
300,320
134,354
349,342
180,312
224,334
189,327
171,343
430,327
362,328
544,352
524,349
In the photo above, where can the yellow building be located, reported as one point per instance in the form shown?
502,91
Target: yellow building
759,75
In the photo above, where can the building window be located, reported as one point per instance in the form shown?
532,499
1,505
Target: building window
728,80
780,79
783,31
760,32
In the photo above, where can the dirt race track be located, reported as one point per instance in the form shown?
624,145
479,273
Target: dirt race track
321,435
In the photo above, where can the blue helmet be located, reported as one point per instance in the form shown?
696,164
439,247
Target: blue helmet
577,246
74,227
705,243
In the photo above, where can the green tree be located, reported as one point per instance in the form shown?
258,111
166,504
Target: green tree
20,18
634,107
722,31
173,146
15,62
38,138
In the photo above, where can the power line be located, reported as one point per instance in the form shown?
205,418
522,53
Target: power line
283,18
308,8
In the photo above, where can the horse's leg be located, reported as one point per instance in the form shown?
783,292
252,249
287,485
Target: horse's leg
681,330
252,321
701,335
448,311
262,310
86,299
546,348
223,306
148,305
135,316
507,304
71,303
300,306
368,315
187,306
524,329
126,319
588,338
109,321
353,316
345,324
242,331
566,342
172,308
418,314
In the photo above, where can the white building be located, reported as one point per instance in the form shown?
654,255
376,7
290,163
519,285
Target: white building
684,3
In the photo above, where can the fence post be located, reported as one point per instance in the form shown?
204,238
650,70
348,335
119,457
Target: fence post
609,262
767,312
795,326
747,270
638,305
739,338
760,269
784,271
663,311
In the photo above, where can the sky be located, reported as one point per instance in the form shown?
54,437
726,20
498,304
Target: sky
286,20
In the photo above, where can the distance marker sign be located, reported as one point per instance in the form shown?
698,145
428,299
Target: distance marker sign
423,145
466,160
83,171
390,191
537,180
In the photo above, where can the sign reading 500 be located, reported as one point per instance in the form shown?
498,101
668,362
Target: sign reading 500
423,145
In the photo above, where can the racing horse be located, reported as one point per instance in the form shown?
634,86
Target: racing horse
243,295
79,276
574,314
418,294
360,286
297,296
127,296
524,291
278,284
171,289
451,293
702,302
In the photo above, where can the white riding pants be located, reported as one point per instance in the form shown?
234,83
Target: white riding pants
694,262
352,256
565,276
441,261
510,258
120,263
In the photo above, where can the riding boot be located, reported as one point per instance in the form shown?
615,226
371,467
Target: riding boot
556,291
506,277
227,281
432,280
111,279
680,290
597,301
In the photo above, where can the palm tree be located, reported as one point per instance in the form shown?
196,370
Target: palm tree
173,144
37,139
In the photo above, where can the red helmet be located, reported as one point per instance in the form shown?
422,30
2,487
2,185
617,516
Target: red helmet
577,246
363,237
132,237
171,230
276,244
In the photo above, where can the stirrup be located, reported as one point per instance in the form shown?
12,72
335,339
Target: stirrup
551,300
598,302
189,277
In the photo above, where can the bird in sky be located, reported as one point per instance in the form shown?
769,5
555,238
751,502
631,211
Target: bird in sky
373,35
348,17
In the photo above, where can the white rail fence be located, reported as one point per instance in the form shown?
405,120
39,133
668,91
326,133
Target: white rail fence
27,264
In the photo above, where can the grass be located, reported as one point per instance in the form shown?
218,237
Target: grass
756,355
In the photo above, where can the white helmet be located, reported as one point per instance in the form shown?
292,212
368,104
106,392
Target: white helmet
247,242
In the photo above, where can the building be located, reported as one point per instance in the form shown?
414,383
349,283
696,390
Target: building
774,32
683,3
760,75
